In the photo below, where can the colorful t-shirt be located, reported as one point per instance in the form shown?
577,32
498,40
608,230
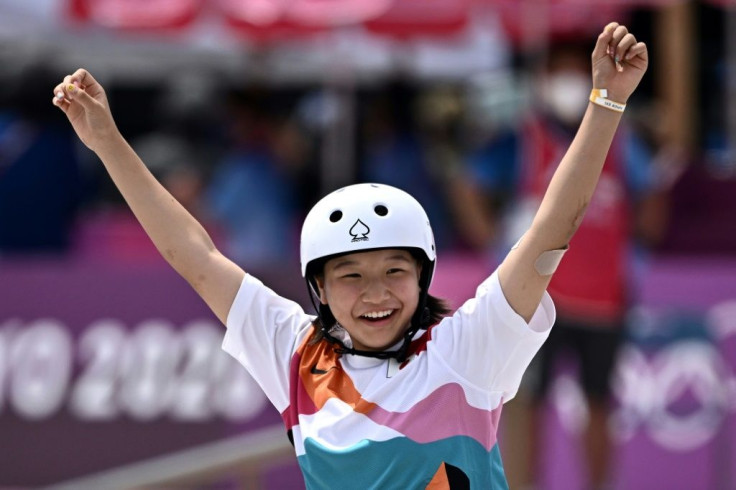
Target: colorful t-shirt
359,422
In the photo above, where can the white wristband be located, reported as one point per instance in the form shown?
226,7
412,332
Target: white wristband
599,96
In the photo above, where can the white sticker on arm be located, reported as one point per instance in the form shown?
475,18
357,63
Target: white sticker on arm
547,262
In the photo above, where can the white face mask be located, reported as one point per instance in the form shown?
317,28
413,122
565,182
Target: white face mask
565,95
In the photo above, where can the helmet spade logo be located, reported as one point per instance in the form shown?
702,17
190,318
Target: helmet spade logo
359,231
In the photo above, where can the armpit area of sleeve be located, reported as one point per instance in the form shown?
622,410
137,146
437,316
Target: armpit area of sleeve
238,310
542,320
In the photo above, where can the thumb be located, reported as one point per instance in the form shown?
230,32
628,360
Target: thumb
601,46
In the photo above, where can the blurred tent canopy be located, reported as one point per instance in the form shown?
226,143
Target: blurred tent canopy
344,43
301,40
277,20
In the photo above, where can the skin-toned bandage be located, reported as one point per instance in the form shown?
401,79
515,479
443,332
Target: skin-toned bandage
547,262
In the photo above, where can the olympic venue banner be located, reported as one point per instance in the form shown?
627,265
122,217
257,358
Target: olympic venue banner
104,363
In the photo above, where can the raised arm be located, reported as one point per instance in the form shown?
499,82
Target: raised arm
180,239
618,64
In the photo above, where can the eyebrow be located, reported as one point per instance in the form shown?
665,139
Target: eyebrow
349,262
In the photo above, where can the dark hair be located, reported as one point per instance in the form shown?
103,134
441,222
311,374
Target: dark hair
437,308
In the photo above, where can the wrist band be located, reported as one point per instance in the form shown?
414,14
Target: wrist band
599,96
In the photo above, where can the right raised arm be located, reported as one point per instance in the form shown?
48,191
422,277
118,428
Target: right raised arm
180,238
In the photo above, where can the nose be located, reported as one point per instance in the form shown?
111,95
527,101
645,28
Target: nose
374,291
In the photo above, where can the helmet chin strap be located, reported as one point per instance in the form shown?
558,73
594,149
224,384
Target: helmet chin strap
419,320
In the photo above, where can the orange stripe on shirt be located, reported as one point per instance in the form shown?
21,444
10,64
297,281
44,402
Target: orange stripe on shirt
329,379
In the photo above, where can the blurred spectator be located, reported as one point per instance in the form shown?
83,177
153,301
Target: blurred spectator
41,184
254,191
179,165
506,177
439,117
394,154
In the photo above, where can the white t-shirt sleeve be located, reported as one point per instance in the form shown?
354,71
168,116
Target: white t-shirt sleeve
488,343
263,329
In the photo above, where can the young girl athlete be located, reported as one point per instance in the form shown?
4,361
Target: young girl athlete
380,391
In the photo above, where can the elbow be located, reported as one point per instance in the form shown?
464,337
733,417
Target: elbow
558,220
190,257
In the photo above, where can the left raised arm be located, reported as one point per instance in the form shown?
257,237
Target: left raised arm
618,64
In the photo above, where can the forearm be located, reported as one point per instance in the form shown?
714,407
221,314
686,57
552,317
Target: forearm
618,62
575,179
177,235
181,240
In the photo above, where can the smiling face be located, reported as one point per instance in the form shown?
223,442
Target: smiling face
373,295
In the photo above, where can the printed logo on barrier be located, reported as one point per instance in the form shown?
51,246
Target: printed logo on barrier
678,394
359,231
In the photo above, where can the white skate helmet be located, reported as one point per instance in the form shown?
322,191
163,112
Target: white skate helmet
364,217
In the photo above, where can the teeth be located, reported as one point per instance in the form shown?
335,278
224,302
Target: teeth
378,314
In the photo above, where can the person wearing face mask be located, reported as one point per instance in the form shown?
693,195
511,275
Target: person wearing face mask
503,185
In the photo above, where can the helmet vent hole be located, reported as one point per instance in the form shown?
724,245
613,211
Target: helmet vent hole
381,210
336,216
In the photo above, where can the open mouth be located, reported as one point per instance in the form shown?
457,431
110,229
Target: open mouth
377,316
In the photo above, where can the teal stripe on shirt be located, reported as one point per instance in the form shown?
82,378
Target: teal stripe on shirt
400,463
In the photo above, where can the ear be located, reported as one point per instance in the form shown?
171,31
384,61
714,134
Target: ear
320,281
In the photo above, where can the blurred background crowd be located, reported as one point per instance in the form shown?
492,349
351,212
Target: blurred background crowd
249,111
249,136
